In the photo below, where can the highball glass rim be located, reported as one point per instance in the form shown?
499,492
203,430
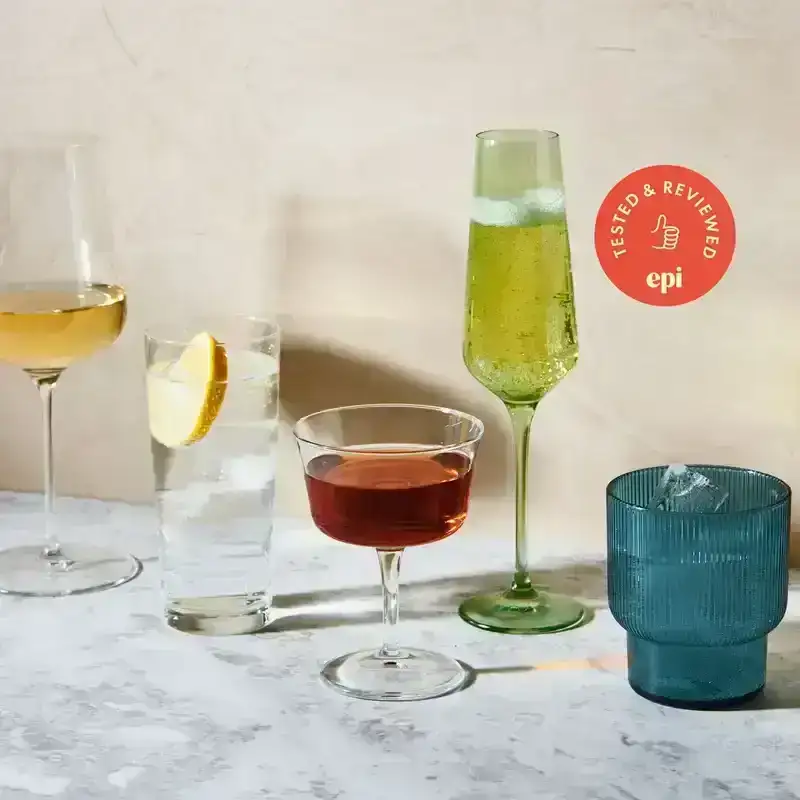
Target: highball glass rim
151,331
784,498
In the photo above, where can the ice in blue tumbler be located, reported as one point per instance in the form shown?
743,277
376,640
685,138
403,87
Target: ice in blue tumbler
698,593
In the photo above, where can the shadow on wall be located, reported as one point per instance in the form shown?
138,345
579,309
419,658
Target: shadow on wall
331,247
794,546
351,254
315,376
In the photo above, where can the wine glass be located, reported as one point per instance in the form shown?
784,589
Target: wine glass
390,477
521,336
58,303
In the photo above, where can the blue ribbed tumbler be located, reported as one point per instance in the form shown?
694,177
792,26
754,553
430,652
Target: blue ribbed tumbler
698,593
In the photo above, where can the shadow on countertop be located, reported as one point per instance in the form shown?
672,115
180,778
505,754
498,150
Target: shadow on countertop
426,599
586,581
783,670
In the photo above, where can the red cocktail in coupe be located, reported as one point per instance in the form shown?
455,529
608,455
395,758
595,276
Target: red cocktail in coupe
390,477
389,499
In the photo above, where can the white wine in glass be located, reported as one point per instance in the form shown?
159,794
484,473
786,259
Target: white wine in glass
58,304
44,327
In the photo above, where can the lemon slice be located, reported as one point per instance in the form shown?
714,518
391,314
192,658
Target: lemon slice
184,397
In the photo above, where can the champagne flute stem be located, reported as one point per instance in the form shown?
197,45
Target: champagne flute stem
390,581
521,419
52,549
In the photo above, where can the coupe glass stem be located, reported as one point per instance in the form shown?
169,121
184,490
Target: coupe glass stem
390,580
521,419
52,549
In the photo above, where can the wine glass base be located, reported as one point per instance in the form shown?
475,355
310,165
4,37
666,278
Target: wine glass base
511,612
24,571
410,675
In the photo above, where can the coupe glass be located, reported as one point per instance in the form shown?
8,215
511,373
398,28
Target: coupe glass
521,337
58,303
390,477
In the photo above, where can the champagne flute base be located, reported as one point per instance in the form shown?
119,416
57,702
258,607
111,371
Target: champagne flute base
513,612
408,674
80,568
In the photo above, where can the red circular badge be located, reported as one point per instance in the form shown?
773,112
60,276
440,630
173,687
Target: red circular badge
665,235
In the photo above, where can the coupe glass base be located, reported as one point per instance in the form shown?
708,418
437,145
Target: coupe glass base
84,568
512,612
409,674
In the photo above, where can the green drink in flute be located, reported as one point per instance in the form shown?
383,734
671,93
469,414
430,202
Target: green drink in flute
521,337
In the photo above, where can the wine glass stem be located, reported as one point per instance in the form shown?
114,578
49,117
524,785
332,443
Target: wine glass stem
52,549
390,580
521,419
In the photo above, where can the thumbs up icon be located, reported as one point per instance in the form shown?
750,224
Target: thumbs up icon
670,234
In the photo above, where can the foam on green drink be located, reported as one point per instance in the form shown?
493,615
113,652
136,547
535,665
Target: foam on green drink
521,336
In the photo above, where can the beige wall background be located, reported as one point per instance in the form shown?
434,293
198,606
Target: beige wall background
314,160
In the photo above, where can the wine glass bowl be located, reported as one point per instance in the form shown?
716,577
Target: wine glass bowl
59,302
390,476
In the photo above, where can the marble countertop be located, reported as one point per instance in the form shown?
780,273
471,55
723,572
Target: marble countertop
98,699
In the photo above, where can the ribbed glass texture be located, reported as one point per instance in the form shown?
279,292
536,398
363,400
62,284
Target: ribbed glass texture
698,592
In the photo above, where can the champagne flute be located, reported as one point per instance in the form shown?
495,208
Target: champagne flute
58,303
521,336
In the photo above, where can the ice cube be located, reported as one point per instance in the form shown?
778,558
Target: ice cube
248,473
186,503
249,365
684,489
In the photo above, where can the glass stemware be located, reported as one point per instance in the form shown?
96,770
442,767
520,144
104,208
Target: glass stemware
520,333
390,477
59,302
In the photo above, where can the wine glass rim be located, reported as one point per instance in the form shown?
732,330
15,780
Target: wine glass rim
516,134
477,425
783,497
19,141
181,333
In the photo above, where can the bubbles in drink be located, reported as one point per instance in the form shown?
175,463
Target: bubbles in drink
521,337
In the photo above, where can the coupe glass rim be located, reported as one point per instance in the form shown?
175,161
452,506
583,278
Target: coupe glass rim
473,420
516,134
783,498
158,331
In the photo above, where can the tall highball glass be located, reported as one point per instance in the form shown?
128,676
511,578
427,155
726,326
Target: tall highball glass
212,401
